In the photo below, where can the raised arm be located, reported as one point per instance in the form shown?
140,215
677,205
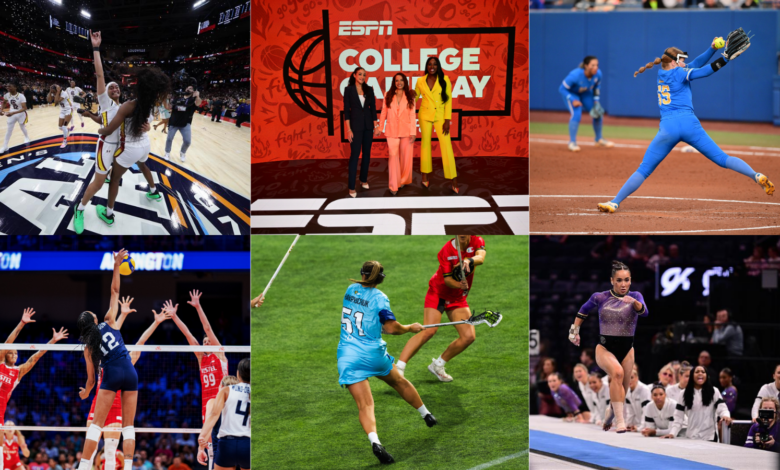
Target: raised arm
112,308
27,366
26,318
705,56
124,311
101,79
158,318
84,391
211,420
182,327
195,302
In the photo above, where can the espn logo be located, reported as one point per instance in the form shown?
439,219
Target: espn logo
364,28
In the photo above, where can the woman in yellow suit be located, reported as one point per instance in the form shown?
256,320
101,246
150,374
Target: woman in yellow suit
435,90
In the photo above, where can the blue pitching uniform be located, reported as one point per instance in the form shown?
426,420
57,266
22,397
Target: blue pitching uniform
679,124
576,86
118,371
362,352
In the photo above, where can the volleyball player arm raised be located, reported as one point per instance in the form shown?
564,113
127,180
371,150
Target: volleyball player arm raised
211,419
101,79
27,366
158,318
26,318
183,328
111,315
195,302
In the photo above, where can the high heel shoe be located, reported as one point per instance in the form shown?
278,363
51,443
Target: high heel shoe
455,189
364,185
426,184
353,194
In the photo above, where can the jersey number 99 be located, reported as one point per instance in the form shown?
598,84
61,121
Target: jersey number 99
664,97
346,321
209,380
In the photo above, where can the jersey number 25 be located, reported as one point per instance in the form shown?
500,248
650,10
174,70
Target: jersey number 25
347,322
664,97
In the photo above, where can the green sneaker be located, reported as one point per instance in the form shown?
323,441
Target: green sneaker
108,180
78,221
154,196
101,212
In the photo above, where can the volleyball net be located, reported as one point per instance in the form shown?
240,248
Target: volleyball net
46,400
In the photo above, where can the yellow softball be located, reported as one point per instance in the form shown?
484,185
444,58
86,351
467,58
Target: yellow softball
719,43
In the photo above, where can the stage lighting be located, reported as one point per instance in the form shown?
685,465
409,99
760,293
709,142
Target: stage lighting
85,14
199,3
58,2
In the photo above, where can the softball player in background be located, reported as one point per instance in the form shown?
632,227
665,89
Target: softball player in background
678,123
580,89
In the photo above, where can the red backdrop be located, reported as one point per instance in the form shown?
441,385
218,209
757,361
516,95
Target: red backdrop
483,43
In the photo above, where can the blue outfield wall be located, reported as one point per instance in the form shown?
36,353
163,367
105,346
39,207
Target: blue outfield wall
625,41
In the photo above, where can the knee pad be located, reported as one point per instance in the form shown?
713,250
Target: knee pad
128,433
93,433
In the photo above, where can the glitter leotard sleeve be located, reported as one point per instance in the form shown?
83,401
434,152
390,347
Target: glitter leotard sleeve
616,318
567,399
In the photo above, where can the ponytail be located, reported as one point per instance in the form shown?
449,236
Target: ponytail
648,66
373,271
90,337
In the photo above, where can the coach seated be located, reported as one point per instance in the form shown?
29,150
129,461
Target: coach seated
765,432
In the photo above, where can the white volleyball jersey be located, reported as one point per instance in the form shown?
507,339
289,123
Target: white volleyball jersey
235,414
660,420
15,102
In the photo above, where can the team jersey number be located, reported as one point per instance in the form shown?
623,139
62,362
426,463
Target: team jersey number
209,380
346,321
244,413
664,97
110,341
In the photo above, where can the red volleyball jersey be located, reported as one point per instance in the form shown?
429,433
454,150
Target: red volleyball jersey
116,407
448,259
9,378
10,454
212,370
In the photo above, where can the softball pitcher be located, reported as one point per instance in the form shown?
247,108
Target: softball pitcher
678,123
580,89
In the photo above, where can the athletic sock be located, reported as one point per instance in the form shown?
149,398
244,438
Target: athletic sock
573,126
153,189
129,464
374,438
633,183
82,207
401,365
440,362
85,463
739,165
24,131
619,418
110,448
65,132
423,411
597,128
109,211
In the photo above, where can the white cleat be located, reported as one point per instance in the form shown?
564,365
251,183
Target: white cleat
2,150
605,143
167,157
574,147
183,158
439,372
26,141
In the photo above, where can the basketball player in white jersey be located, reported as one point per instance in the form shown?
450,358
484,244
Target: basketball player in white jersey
60,97
73,91
232,406
213,366
15,108
109,146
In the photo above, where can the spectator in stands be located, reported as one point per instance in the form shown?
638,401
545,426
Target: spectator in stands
658,415
666,375
40,462
675,392
658,259
705,360
580,376
178,465
588,358
727,389
158,463
644,248
727,333
145,460
702,406
536,4
606,249
637,396
600,387
768,428
709,4
625,252
772,389
53,465
674,254
755,262
773,258
547,404
749,4
566,399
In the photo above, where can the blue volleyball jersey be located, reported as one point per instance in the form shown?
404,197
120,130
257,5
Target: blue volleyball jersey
364,311
112,346
576,83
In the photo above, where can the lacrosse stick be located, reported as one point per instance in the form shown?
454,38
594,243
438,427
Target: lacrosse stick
280,267
489,317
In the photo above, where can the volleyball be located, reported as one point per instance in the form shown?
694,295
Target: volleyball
127,267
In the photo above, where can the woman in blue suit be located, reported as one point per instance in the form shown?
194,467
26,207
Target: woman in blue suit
360,121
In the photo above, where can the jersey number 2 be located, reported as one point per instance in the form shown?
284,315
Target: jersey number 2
244,413
664,97
347,322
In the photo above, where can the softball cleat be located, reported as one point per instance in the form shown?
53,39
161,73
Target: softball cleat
605,143
610,207
769,188
574,147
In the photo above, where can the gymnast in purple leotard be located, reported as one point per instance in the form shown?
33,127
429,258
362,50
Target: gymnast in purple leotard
618,311
567,400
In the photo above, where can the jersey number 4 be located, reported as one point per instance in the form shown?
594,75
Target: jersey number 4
244,413
346,321
664,97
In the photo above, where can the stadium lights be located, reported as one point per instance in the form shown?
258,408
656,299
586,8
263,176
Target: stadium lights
199,3
85,14
58,2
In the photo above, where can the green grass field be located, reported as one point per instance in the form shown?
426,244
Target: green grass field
647,133
302,419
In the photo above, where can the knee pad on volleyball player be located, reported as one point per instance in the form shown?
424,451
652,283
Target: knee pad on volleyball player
93,433
128,433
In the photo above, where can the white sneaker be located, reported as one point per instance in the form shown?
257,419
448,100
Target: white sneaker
574,147
439,372
183,158
167,157
605,143
26,141
2,150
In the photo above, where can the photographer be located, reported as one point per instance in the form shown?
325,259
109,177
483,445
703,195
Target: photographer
182,108
764,432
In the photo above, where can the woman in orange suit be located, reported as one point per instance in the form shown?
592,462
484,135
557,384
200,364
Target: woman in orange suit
435,90
401,131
